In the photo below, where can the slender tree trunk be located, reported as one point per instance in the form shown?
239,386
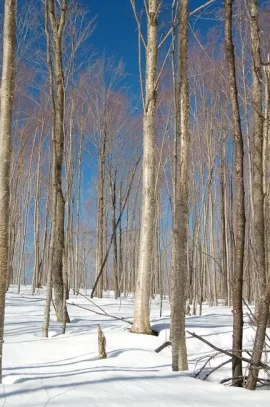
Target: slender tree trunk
78,205
141,322
262,313
239,203
212,246
57,240
115,251
258,196
6,108
36,221
266,157
100,215
120,243
224,228
180,207
25,217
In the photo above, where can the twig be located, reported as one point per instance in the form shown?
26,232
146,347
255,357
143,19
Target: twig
132,2
205,364
201,7
115,228
232,378
226,352
217,367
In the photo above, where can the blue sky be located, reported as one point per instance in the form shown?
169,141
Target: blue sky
116,30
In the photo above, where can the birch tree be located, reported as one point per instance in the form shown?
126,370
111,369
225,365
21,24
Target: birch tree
141,322
6,108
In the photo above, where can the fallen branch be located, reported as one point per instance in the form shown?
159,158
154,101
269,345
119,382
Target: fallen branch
216,368
232,378
263,382
205,363
104,314
163,346
226,352
91,301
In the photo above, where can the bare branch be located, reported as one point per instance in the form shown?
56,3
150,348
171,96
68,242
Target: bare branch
226,352
132,2
114,231
201,7
105,314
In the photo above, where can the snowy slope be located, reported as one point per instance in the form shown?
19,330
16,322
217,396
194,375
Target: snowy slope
64,370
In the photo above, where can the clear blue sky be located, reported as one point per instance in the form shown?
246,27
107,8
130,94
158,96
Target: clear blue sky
116,30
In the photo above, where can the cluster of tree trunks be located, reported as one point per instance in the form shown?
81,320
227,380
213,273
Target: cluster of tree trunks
205,143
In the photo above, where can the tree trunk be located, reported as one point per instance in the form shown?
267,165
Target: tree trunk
180,207
239,203
141,322
57,240
115,251
6,108
262,312
35,276
78,207
258,196
100,215
224,228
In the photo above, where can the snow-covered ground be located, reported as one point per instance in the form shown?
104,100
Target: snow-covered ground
64,370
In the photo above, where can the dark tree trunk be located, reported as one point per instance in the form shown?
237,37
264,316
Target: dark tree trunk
263,302
180,204
239,202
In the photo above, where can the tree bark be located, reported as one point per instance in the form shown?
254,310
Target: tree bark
258,195
262,312
115,251
180,207
239,203
6,109
57,240
100,215
35,277
141,322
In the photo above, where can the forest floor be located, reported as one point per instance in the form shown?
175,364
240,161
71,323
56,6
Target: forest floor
64,370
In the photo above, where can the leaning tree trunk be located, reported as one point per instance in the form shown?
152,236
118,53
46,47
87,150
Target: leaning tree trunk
262,312
141,322
180,207
6,108
237,294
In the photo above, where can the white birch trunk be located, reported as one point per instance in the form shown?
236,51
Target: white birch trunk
141,322
6,108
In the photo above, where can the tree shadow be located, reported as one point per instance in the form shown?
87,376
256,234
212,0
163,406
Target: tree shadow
69,385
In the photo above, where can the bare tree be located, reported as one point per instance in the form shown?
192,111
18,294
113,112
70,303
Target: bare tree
262,312
141,322
6,108
239,202
180,201
54,27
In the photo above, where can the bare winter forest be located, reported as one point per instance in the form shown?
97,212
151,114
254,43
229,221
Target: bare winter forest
150,191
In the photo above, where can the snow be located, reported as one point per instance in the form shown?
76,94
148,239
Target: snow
64,370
